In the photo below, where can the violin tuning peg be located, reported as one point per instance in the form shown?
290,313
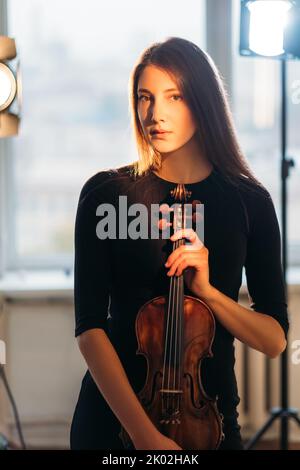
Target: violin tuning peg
194,203
163,224
165,208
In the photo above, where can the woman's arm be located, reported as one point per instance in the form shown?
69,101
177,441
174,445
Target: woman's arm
110,377
257,330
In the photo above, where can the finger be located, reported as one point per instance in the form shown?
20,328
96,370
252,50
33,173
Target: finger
173,256
176,268
188,233
182,262
193,250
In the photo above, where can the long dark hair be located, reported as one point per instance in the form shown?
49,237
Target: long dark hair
200,82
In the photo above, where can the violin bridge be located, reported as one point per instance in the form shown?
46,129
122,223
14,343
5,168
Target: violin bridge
164,390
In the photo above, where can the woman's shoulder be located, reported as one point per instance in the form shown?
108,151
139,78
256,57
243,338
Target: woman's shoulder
105,181
258,205
253,192
256,196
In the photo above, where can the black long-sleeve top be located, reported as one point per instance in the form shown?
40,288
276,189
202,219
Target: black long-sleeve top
115,277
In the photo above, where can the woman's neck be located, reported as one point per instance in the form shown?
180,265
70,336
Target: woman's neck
185,165
184,169
186,174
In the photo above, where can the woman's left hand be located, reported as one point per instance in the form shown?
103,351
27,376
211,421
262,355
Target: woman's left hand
192,260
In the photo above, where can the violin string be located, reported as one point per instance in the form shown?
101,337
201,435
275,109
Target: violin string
172,330
176,366
169,337
181,317
177,338
179,314
178,321
166,344
176,313
181,341
176,286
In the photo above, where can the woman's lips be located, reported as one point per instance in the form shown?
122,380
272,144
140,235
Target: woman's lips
159,134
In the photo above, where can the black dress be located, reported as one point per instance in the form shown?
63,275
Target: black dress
114,277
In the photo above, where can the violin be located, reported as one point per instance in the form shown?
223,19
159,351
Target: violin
175,333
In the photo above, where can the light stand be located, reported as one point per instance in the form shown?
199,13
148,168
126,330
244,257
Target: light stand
283,413
10,88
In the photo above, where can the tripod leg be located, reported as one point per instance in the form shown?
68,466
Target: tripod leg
284,432
296,418
256,436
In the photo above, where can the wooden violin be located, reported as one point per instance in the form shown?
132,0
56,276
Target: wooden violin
174,333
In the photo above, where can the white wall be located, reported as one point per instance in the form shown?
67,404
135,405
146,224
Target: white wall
44,369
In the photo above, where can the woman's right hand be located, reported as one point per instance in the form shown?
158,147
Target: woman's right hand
156,441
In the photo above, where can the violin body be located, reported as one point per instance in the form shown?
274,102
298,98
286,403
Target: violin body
196,423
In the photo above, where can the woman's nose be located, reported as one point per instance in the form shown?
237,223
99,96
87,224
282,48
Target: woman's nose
156,112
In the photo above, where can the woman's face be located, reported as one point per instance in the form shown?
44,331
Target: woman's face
159,107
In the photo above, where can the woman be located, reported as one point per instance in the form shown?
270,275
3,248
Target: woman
174,87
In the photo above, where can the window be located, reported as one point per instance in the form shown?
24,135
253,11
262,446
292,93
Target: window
76,58
257,115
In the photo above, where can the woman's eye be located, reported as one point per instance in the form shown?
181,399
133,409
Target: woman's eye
176,96
140,98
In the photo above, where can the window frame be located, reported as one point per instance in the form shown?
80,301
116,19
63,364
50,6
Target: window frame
221,14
